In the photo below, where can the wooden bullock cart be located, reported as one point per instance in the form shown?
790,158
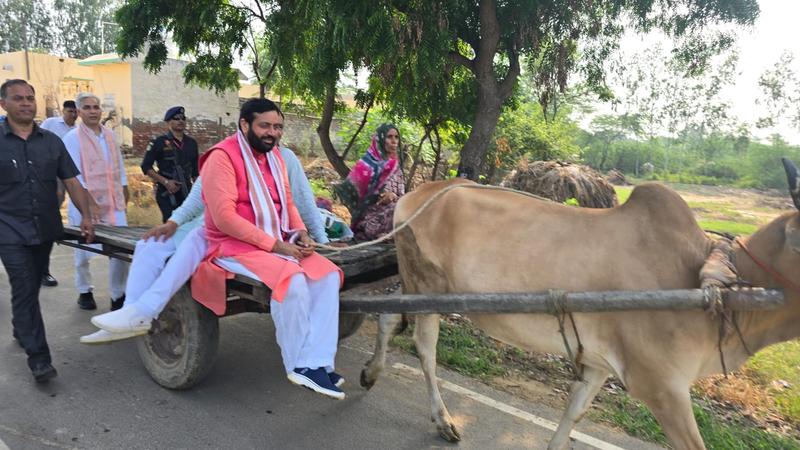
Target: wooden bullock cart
181,347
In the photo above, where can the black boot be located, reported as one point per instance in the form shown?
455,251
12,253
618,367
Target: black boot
118,303
86,301
43,372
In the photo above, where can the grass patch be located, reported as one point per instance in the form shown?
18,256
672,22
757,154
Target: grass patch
623,193
463,349
636,419
779,362
727,226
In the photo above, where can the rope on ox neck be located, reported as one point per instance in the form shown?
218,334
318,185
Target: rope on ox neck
728,319
420,210
769,269
555,306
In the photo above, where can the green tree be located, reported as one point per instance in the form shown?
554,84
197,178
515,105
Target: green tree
26,25
780,87
85,27
432,61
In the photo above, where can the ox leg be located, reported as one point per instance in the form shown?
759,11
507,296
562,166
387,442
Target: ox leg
673,410
426,335
388,326
580,398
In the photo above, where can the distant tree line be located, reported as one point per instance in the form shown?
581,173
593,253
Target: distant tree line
73,28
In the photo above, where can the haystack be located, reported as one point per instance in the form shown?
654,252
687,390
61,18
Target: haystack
617,178
320,169
561,181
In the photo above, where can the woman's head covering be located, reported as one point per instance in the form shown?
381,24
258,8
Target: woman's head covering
366,179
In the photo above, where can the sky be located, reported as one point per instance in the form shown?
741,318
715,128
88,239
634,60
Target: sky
760,48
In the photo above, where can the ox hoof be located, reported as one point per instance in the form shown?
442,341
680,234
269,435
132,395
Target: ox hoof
366,383
449,433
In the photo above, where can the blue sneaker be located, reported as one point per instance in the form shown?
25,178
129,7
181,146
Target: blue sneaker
317,380
336,379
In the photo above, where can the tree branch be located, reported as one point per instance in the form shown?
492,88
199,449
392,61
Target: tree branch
461,60
324,131
360,127
438,153
507,85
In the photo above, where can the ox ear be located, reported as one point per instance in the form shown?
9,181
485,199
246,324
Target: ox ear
793,176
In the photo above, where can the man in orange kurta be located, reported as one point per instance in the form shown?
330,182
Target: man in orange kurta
253,228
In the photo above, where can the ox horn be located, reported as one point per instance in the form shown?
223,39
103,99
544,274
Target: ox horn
793,174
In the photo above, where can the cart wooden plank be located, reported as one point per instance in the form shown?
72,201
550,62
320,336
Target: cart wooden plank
360,266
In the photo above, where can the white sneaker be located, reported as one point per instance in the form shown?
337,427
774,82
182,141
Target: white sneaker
123,320
105,337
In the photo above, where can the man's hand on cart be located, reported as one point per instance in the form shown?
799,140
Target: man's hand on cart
87,229
161,232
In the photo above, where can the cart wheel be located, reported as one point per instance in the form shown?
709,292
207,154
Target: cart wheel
180,349
349,324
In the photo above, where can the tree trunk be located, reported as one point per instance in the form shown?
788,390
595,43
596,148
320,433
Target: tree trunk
438,153
324,132
474,152
491,91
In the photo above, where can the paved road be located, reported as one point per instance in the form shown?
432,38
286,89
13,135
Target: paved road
104,399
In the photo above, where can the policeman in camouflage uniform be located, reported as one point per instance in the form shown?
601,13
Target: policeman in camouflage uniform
175,154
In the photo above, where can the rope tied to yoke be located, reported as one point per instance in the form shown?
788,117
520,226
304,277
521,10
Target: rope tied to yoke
718,271
556,306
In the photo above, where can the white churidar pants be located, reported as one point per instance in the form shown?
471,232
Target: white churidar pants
117,273
306,322
153,279
117,269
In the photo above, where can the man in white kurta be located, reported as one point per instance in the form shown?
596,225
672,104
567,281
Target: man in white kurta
90,112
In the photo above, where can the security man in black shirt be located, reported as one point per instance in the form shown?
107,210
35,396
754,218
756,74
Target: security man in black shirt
31,159
176,155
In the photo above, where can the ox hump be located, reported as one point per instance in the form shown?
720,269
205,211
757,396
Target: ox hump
662,204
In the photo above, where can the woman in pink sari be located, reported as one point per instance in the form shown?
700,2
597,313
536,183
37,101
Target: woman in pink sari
374,185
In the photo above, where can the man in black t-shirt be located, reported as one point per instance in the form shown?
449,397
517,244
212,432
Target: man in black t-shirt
175,154
31,160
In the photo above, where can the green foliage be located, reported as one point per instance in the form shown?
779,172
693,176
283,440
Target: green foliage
524,131
79,25
25,23
211,31
70,27
320,188
431,62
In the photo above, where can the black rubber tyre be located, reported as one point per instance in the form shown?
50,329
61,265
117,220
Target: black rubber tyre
181,347
349,324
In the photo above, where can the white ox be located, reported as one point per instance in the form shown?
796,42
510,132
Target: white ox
473,240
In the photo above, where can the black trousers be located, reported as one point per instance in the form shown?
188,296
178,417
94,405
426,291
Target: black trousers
25,265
